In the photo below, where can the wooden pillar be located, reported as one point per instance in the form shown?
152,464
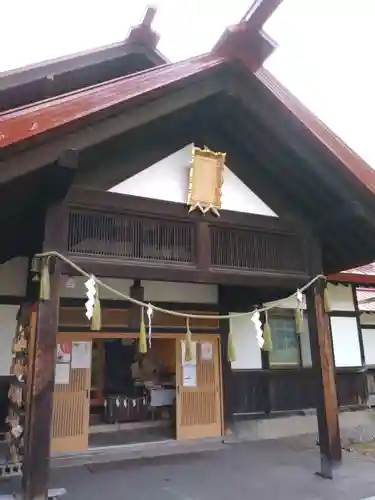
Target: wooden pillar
266,379
226,368
136,292
359,326
37,452
323,367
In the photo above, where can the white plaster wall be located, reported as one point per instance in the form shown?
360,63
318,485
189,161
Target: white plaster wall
75,288
248,353
8,323
368,336
169,178
166,291
341,297
154,291
345,341
13,277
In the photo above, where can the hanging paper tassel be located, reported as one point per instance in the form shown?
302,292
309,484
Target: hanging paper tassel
267,335
255,318
231,349
188,343
96,321
298,315
45,286
142,334
327,302
149,316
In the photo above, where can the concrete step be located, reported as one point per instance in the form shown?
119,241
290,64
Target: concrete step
138,451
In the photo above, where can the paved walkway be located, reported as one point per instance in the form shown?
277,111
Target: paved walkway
282,470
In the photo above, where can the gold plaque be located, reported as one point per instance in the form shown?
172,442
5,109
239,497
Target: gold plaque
206,180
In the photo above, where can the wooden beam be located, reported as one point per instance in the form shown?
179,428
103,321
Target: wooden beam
226,368
292,132
324,370
37,457
128,269
359,326
259,12
116,160
121,203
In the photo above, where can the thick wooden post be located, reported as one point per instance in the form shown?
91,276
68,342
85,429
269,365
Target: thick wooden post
323,367
226,369
37,452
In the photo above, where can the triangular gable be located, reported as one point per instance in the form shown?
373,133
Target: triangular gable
168,179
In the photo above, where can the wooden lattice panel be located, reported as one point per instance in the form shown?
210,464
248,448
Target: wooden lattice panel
199,407
70,413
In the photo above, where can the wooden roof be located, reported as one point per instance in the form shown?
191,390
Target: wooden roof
225,99
35,82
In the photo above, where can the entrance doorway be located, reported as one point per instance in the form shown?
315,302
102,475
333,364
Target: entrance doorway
121,397
132,396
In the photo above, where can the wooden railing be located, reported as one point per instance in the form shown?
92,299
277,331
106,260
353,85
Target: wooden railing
141,232
130,237
268,391
168,240
242,248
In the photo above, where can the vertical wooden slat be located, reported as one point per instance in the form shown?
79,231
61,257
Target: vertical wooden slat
203,245
128,236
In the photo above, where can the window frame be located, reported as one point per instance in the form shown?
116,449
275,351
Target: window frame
279,313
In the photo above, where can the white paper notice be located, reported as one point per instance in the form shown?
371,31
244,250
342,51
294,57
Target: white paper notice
206,351
81,355
62,373
190,375
63,353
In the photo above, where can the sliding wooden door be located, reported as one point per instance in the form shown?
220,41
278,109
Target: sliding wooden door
198,399
71,400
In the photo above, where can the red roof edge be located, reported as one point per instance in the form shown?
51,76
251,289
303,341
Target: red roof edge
365,279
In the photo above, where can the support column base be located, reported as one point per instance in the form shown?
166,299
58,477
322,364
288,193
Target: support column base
53,494
327,468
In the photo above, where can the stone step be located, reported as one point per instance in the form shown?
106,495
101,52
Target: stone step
138,451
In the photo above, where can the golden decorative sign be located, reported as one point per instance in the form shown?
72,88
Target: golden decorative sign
206,180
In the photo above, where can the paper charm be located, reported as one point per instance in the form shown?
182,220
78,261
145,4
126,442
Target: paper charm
149,313
255,318
90,294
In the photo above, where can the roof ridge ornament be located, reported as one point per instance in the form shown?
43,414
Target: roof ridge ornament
143,33
246,40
